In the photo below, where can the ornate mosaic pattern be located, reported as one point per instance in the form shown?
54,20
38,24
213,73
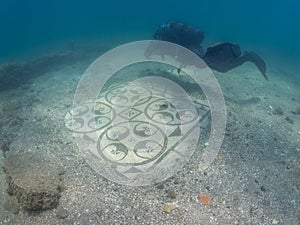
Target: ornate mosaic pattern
138,133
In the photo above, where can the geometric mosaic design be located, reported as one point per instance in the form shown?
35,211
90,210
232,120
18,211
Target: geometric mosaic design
137,133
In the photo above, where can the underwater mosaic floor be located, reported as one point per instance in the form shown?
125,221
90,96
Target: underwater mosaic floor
138,133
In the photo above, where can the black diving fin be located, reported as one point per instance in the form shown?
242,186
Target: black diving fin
227,56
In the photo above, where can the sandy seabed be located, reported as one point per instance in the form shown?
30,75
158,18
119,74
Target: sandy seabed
254,180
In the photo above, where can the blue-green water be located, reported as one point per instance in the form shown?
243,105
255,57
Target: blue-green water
271,28
256,176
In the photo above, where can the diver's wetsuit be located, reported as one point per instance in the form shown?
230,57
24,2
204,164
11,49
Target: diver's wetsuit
221,57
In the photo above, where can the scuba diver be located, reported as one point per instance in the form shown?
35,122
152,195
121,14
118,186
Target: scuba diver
221,57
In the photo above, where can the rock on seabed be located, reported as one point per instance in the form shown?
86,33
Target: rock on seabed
34,180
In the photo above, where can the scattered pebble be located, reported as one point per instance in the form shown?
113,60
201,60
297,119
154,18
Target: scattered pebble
36,99
278,111
204,199
61,212
160,186
171,194
289,119
290,166
221,156
169,207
